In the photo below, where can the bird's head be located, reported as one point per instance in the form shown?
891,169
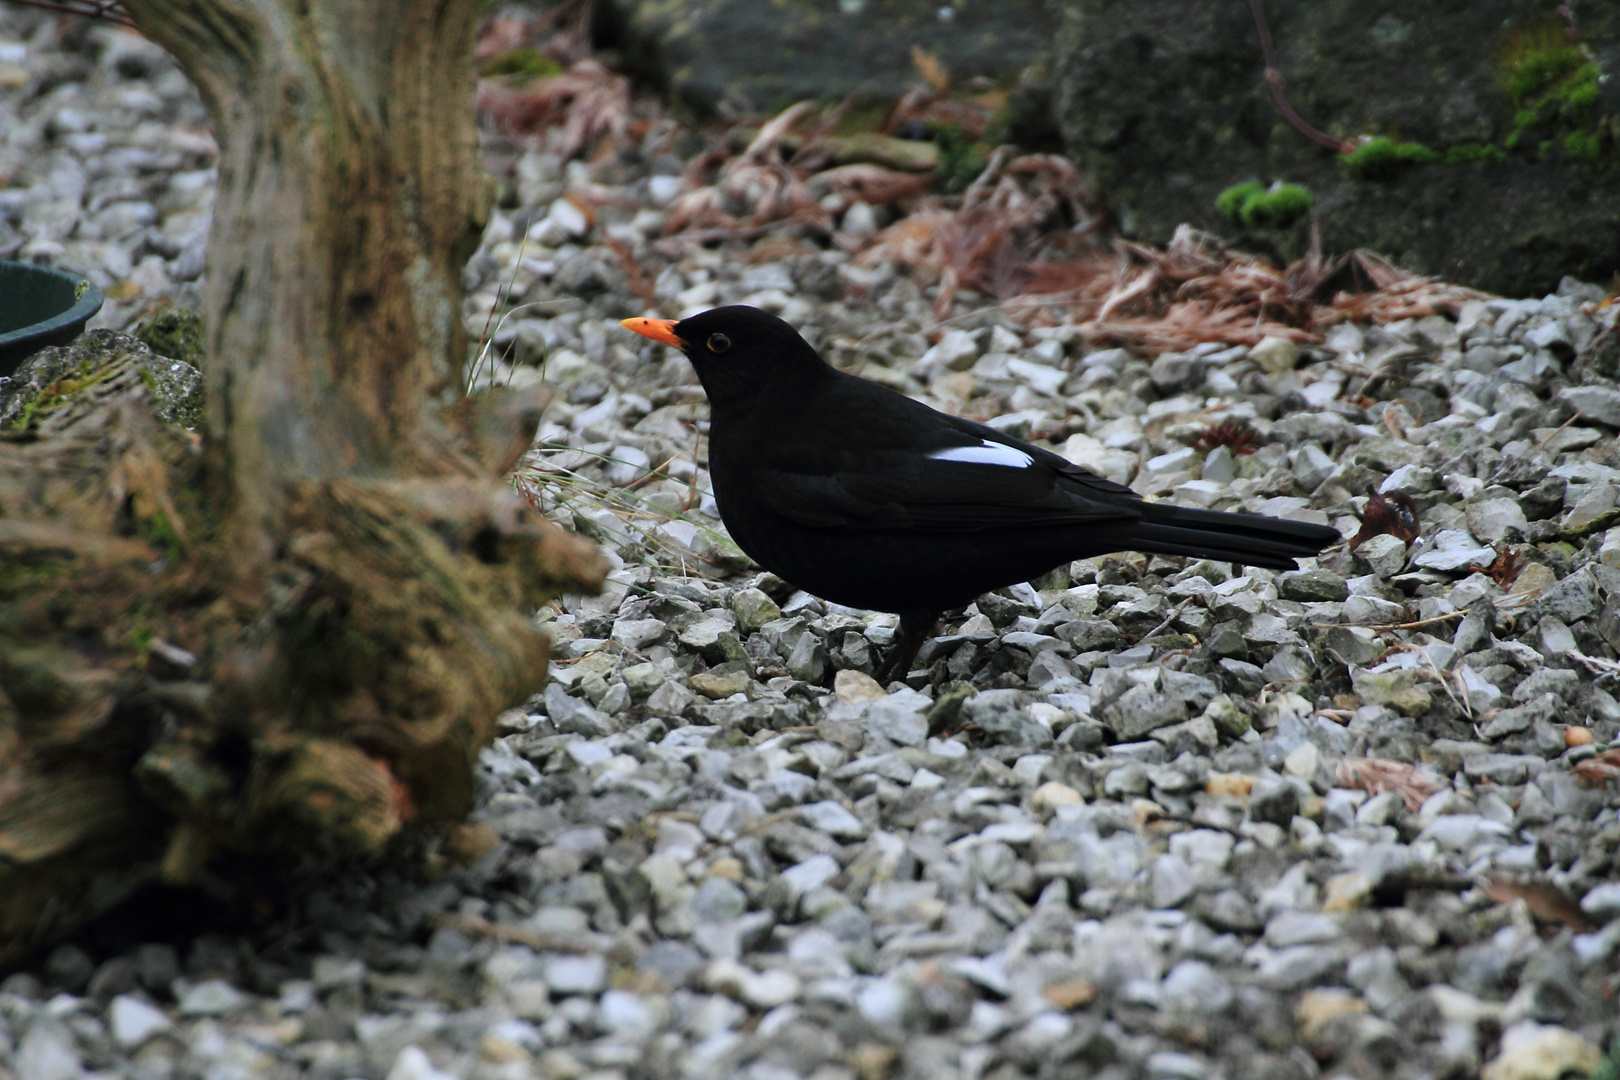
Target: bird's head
737,351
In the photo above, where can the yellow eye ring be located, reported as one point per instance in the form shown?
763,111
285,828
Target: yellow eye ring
718,343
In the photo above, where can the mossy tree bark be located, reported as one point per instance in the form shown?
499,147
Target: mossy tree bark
290,643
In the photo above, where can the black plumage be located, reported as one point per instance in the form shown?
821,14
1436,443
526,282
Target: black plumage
858,494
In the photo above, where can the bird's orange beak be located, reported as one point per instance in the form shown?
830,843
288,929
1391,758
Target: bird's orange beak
657,329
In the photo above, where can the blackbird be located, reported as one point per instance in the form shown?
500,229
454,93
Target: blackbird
856,493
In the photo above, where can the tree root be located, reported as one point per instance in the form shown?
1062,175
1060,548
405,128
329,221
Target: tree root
158,711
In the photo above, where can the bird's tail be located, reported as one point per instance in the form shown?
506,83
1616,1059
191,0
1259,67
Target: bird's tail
1238,538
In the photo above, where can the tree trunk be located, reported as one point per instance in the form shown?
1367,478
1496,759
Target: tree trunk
293,645
350,197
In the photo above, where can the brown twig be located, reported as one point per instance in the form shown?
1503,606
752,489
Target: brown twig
1398,626
473,926
1274,85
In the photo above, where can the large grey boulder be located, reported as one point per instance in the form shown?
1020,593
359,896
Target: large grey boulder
749,57
1165,105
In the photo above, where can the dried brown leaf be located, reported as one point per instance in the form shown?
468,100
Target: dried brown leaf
1547,903
1378,775
1395,514
931,69
588,101
1504,568
1599,771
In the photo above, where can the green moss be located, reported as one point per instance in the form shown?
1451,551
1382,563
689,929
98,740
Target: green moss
960,158
175,332
1554,86
1580,91
1385,159
521,64
58,392
1582,146
18,578
1257,206
1281,206
1230,202
158,531
139,639
1539,61
1468,153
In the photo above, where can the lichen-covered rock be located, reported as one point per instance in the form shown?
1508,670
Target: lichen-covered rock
45,377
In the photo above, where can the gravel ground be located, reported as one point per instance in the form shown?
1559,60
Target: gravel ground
1121,822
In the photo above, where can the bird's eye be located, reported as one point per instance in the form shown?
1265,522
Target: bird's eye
719,343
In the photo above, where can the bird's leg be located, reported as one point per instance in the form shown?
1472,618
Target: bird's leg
916,627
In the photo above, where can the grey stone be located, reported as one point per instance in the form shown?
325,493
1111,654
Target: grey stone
1171,372
1312,465
1384,554
1567,797
1376,974
718,900
1195,987
754,609
1474,629
900,718
1600,403
1000,714
1298,966
1273,800
1453,550
1087,635
707,636
831,818
1140,710
1560,682
1553,638
1311,586
1228,910
1569,600
1354,644
1173,882
808,660
1493,520
637,634
573,716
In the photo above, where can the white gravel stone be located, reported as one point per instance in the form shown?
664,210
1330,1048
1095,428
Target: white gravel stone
212,997
413,1063
134,1021
576,974
1602,901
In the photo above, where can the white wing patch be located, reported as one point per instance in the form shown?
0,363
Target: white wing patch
986,453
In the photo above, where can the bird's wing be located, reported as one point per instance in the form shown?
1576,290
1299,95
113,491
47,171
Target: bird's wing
980,480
